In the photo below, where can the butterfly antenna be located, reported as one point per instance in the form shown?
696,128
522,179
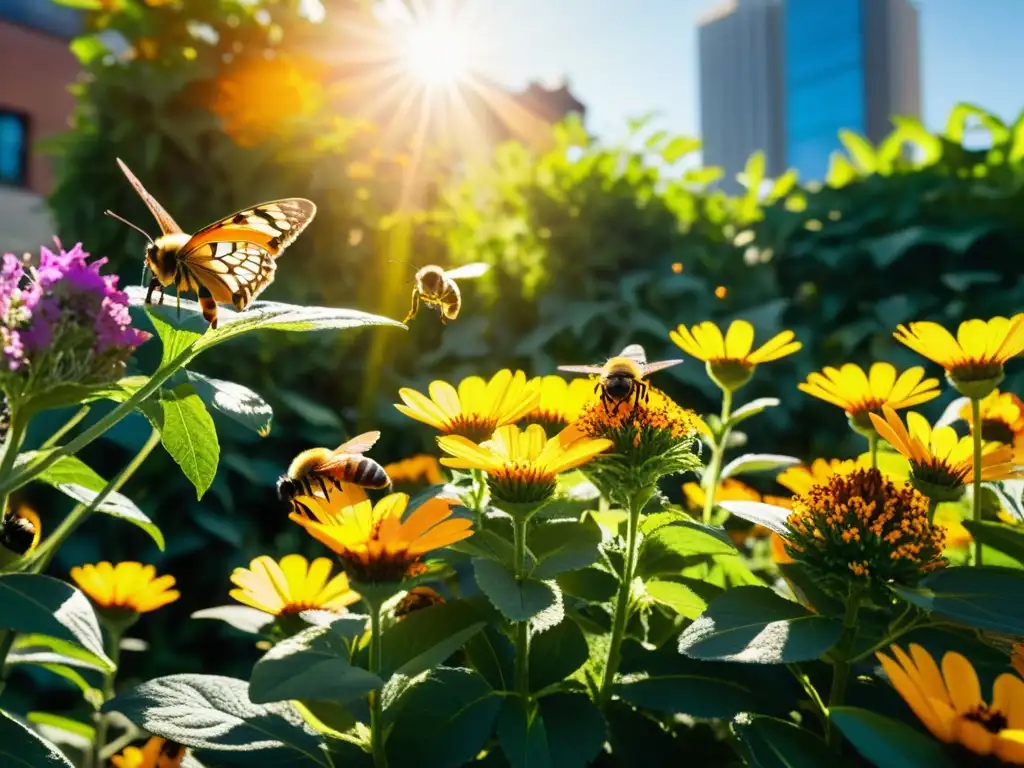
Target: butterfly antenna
413,267
136,227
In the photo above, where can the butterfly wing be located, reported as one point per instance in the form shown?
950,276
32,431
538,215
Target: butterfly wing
167,225
358,444
649,368
467,271
274,225
582,368
635,353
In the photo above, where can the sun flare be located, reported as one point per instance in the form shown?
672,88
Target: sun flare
437,53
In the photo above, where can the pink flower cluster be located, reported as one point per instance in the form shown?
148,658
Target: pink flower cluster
63,306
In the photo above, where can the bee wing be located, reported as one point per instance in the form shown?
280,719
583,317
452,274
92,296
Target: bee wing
649,368
167,225
636,353
582,368
468,270
358,444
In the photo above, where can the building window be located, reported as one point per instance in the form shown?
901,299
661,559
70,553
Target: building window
13,148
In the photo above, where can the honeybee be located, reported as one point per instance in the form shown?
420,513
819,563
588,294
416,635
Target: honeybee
345,464
623,375
436,287
228,262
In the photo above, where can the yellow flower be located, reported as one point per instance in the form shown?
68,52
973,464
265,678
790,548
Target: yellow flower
373,542
1017,658
948,702
862,524
477,408
522,465
860,394
291,585
157,753
731,359
729,489
1002,420
974,359
942,462
132,586
21,531
801,479
561,402
421,468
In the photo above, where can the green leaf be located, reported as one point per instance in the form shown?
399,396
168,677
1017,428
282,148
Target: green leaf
770,516
189,435
985,597
86,48
69,469
681,595
693,688
34,604
448,716
1010,494
667,550
424,639
755,625
767,742
840,171
678,148
523,738
592,585
999,536
556,654
116,505
517,601
753,408
888,742
708,174
238,403
22,748
783,185
215,713
241,617
314,665
77,727
860,151
806,586
41,649
758,462
574,728
563,546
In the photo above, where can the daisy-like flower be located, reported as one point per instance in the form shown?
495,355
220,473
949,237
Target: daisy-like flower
942,462
729,489
476,408
421,469
800,479
973,360
291,585
373,542
157,753
561,402
125,587
20,533
862,525
522,465
861,394
651,440
948,702
1002,420
731,359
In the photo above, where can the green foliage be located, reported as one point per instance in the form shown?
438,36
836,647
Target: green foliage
22,746
767,742
978,597
888,742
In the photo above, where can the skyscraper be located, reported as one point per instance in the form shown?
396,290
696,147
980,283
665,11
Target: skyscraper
848,64
740,50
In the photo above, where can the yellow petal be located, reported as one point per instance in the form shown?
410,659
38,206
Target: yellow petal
961,682
739,339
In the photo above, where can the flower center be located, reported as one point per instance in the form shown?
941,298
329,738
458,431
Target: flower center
938,473
472,426
992,720
552,420
976,370
291,608
997,430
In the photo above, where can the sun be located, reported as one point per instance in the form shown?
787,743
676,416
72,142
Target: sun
437,53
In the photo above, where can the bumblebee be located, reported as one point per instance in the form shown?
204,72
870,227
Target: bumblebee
436,287
622,376
320,467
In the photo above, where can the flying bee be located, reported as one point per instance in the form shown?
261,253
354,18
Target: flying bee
228,262
318,467
436,287
622,376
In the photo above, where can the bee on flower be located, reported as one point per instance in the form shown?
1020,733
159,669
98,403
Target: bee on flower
20,533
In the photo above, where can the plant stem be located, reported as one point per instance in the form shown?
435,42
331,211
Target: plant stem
841,666
113,649
15,437
6,641
638,500
40,559
976,547
812,694
717,453
873,449
376,714
522,639
70,424
933,505
479,495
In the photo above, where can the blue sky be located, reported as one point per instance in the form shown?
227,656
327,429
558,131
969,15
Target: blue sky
625,58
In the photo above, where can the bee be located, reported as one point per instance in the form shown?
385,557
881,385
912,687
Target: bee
436,287
622,376
228,262
345,464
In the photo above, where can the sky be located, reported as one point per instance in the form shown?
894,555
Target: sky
626,58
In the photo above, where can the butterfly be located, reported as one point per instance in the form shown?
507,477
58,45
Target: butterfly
228,262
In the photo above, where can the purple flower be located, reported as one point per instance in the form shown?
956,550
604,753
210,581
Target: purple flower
62,319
